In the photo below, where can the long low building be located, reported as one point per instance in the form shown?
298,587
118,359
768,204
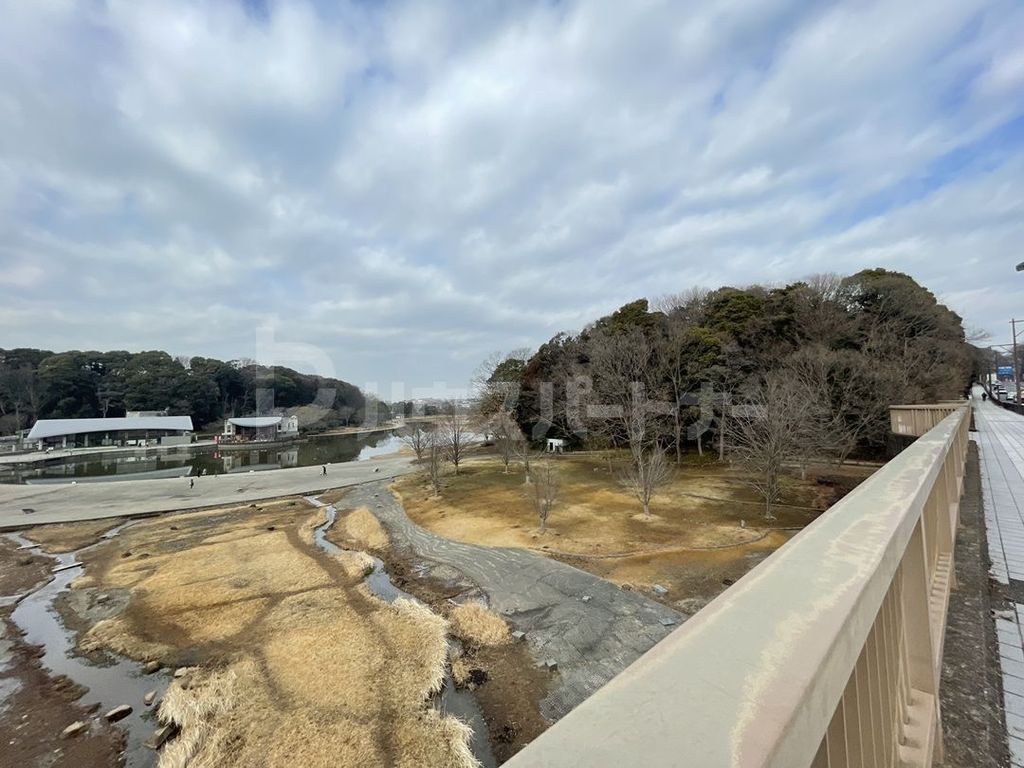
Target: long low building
124,431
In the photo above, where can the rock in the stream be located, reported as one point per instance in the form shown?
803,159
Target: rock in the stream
161,735
148,698
74,729
586,598
550,665
518,635
151,667
118,713
667,622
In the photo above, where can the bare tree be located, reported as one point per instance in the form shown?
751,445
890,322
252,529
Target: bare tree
769,430
416,437
625,373
434,450
626,369
507,437
646,475
845,387
495,384
455,434
820,304
544,491
523,452
686,305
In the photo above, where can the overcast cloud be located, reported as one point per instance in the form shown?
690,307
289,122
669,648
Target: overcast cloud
408,186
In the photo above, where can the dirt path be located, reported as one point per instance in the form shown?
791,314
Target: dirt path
590,627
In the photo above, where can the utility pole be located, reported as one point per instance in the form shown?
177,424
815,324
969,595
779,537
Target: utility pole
1016,370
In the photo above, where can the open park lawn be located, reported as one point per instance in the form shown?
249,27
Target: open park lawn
707,527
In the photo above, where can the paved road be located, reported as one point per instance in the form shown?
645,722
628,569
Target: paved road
92,501
591,641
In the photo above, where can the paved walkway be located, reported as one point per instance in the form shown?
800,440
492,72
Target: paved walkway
61,503
1001,441
590,627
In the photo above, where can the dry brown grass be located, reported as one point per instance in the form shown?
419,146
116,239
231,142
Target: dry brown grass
299,664
474,624
67,537
702,510
360,528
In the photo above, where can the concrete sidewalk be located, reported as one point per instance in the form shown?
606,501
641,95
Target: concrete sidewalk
1001,443
92,501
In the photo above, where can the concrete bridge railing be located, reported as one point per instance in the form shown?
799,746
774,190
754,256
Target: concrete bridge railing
915,420
828,653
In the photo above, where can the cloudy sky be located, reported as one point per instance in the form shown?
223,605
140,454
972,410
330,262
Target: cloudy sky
390,190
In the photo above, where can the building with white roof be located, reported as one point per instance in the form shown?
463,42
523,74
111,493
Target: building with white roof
134,430
260,428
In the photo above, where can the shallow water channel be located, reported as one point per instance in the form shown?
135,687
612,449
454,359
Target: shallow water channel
120,682
450,700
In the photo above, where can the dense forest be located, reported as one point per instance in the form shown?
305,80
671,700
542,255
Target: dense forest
38,384
851,346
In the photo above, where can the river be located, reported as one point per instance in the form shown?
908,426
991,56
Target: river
207,460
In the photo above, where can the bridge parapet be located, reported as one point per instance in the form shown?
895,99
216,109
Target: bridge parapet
828,653
915,420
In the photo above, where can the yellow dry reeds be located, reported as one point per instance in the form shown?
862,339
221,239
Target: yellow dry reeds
310,668
362,529
474,624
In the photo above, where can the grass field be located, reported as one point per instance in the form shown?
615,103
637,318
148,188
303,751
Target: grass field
706,528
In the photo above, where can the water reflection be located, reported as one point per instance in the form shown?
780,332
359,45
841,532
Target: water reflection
312,451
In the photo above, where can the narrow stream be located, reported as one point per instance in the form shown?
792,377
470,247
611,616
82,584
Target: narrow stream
450,700
121,682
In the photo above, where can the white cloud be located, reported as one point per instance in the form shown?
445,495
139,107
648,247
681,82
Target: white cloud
410,186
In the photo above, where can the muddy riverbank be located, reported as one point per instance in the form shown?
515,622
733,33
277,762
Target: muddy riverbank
104,680
35,706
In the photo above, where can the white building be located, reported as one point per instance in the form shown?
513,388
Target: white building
261,427
135,430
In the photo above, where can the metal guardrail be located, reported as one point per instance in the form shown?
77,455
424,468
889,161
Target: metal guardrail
828,653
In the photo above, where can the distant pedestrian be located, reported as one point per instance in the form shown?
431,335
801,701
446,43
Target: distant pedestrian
191,482
323,470
984,396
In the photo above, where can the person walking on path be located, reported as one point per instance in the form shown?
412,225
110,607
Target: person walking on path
191,482
323,470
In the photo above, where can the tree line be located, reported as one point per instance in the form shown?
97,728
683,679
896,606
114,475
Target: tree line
40,384
769,376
